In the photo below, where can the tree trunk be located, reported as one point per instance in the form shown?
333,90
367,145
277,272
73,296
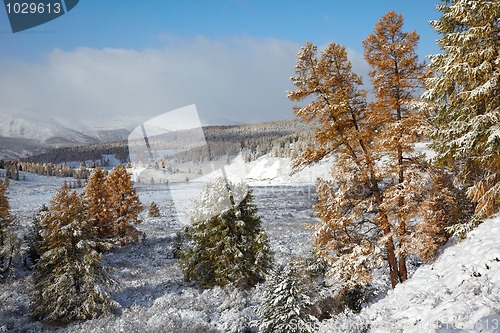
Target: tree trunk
403,272
386,229
391,259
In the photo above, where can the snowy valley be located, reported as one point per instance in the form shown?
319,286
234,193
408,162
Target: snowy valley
458,292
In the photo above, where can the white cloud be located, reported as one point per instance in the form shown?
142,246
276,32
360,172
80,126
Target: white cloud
242,80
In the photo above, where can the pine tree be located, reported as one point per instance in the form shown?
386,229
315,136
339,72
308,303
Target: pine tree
154,210
124,205
69,282
465,93
8,242
226,241
287,303
349,206
35,238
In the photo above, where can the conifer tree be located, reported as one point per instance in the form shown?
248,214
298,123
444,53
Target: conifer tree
69,282
154,210
287,303
368,210
465,93
396,76
124,205
346,236
97,196
8,242
226,242
35,238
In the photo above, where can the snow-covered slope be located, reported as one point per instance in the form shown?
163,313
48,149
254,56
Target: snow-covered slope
267,170
459,292
40,129
47,130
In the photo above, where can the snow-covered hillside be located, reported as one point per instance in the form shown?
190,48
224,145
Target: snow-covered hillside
47,130
40,129
459,292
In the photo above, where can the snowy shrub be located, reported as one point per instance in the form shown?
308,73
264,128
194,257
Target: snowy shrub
236,314
287,303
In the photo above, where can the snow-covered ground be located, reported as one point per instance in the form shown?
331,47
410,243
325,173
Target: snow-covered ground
459,292
152,294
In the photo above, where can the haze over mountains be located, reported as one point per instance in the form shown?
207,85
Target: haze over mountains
24,135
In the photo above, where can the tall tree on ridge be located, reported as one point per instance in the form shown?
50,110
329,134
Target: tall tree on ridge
346,237
378,184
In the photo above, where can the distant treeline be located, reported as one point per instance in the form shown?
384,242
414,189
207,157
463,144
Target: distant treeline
82,153
279,138
12,169
285,138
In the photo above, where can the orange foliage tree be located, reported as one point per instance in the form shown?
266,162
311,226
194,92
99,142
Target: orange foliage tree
368,211
113,205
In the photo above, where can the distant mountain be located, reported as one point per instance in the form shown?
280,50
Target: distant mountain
61,141
22,135
42,130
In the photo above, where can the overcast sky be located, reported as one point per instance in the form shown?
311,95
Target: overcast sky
124,61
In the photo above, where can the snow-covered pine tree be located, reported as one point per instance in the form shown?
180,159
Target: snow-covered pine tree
8,242
97,196
124,205
287,301
35,238
465,93
69,282
154,210
226,242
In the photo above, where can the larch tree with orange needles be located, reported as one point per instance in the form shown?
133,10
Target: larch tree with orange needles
398,80
369,211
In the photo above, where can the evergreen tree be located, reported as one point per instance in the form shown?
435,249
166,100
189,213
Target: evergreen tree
35,238
287,303
124,205
154,210
69,281
465,93
226,241
8,242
